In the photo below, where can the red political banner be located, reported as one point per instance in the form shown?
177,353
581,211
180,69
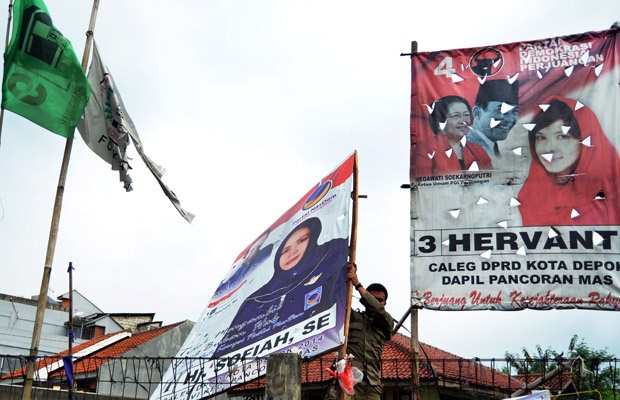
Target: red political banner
515,175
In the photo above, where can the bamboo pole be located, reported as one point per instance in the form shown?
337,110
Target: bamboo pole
342,351
53,236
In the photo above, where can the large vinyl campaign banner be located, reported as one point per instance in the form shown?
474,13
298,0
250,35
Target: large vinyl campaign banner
515,175
285,292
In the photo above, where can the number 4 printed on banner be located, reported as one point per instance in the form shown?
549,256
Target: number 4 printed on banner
445,68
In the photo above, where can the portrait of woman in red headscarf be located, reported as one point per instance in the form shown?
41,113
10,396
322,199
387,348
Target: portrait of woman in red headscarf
574,177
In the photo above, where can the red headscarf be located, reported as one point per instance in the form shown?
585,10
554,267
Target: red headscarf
545,202
430,158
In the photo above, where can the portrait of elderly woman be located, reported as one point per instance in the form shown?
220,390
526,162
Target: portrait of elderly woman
575,170
447,150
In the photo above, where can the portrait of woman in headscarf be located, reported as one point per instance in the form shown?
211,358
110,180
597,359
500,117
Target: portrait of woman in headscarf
304,283
574,175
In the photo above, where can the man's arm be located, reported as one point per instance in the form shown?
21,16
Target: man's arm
378,312
370,303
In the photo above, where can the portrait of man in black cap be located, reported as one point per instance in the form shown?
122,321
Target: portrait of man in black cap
495,112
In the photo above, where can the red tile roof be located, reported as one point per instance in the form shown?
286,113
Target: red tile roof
396,365
93,360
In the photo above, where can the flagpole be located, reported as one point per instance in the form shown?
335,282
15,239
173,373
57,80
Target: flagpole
53,236
6,45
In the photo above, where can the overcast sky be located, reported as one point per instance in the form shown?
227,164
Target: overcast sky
248,104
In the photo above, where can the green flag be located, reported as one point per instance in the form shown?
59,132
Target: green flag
43,79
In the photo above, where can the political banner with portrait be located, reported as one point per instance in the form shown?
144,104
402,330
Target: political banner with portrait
285,292
515,175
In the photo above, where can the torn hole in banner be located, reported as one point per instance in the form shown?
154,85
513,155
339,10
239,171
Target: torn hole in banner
456,78
473,167
600,195
547,156
512,79
529,127
597,239
506,108
578,105
598,69
587,141
430,108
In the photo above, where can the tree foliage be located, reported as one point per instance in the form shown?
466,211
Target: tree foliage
592,369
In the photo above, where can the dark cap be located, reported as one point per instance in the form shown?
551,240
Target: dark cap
498,90
377,287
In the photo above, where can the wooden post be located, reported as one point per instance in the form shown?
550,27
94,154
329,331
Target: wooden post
415,347
283,379
415,344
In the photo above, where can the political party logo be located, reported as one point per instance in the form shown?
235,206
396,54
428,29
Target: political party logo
486,62
317,195
313,298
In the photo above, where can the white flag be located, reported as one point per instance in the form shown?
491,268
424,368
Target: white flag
107,129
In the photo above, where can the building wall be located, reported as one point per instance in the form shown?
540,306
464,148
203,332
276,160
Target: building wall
88,328
81,305
17,317
146,373
132,321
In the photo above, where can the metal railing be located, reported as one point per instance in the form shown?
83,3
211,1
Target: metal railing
140,377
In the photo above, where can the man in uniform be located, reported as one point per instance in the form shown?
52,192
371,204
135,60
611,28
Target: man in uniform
368,332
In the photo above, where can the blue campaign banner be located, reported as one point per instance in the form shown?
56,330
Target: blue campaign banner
285,292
